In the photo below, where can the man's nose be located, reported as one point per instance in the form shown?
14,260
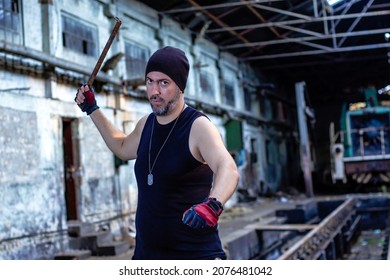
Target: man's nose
156,88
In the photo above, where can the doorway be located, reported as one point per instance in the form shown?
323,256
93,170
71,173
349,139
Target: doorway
71,166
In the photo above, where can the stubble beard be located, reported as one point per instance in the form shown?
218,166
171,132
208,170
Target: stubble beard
169,107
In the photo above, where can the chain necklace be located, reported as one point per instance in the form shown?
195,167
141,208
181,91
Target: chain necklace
150,175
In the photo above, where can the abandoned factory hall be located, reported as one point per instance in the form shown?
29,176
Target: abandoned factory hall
238,129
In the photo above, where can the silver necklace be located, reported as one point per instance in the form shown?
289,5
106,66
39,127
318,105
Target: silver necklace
150,175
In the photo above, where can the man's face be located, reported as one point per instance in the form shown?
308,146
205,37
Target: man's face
163,93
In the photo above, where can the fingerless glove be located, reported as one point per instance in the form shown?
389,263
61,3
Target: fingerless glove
89,105
205,214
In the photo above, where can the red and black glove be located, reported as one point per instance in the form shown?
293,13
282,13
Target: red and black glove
89,105
202,215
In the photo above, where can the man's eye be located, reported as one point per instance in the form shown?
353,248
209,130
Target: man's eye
164,83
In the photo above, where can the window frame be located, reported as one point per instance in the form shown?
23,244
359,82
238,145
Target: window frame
139,62
89,46
11,30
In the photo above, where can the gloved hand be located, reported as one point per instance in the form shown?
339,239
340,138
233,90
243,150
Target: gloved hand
203,214
88,103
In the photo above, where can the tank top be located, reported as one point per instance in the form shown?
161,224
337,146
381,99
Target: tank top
179,181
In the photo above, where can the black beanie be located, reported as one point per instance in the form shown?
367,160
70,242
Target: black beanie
172,62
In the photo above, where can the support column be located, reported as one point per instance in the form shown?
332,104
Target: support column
306,161
47,43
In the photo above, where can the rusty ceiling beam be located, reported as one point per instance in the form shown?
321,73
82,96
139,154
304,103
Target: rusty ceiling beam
261,18
217,21
217,6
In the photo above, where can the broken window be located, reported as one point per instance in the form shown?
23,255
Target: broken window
136,59
78,36
206,85
247,99
229,94
10,21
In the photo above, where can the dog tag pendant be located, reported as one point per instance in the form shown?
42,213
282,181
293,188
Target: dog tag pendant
150,179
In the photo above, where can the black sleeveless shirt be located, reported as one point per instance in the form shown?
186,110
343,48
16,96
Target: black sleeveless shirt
179,181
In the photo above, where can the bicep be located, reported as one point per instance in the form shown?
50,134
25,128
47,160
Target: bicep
213,151
208,144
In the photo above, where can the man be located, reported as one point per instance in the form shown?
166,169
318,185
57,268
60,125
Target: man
184,172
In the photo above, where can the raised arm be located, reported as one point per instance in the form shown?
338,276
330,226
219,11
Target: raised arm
122,145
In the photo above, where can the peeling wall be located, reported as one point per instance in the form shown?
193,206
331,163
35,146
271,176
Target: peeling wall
18,134
31,207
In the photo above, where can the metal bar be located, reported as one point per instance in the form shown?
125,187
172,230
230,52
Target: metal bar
323,18
14,89
355,22
308,38
18,50
315,8
217,20
366,158
301,30
104,52
349,234
299,21
224,5
283,12
262,19
314,52
361,143
283,227
312,243
336,23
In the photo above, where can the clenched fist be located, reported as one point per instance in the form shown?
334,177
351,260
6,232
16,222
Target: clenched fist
85,98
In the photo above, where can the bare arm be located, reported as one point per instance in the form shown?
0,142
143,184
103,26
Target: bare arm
122,145
207,145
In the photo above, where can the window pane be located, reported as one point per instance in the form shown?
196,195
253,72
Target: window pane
88,34
229,94
78,36
15,22
136,59
15,7
2,19
8,20
7,5
206,85
247,99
